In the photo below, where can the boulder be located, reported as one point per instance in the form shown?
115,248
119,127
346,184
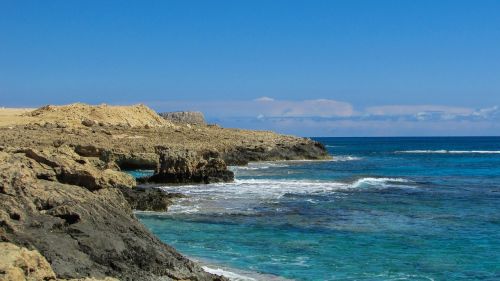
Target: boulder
149,198
88,122
185,166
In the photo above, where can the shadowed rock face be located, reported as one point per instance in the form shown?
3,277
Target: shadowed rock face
146,198
190,167
82,227
306,149
185,117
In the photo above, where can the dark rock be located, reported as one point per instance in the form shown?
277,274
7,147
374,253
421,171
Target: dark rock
88,123
308,149
88,150
149,198
82,232
184,166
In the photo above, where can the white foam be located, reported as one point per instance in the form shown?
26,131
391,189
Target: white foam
259,166
243,195
237,274
345,158
379,182
442,151
229,274
254,166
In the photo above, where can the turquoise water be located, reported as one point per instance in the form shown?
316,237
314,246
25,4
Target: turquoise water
140,173
381,209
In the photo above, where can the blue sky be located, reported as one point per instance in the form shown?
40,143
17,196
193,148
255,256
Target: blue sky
336,68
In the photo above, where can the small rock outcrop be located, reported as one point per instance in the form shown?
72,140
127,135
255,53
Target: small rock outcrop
185,117
144,198
306,149
185,166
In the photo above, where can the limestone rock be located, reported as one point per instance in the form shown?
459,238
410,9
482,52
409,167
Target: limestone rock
186,166
66,166
185,117
18,263
78,114
82,232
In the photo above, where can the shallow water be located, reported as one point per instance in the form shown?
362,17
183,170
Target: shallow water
381,209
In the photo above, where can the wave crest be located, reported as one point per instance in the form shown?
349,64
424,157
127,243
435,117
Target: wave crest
242,195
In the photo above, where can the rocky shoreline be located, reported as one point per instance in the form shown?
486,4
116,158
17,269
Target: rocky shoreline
63,194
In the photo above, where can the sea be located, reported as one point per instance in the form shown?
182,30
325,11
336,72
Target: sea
413,208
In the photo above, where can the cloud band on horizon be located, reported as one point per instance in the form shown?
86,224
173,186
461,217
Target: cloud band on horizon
332,117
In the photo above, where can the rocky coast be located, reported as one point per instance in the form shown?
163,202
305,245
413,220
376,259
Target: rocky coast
66,206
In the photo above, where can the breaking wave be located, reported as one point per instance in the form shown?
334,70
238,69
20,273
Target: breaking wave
243,194
240,275
286,163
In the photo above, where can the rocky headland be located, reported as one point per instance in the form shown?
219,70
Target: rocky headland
65,200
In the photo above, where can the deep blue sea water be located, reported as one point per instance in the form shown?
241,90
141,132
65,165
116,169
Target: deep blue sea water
381,209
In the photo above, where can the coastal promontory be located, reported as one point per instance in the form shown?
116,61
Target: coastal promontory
65,199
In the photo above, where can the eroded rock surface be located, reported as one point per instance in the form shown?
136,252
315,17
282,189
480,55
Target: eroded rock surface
80,114
63,195
18,263
131,136
145,198
21,264
83,229
190,167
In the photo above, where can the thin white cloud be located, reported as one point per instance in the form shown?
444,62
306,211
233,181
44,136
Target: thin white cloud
431,112
416,109
307,108
264,99
331,117
263,107
487,113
